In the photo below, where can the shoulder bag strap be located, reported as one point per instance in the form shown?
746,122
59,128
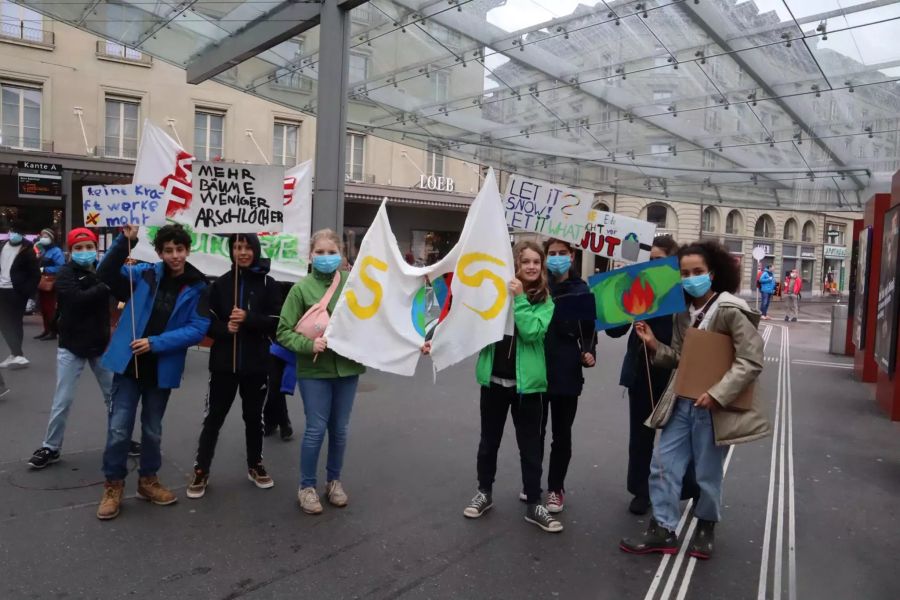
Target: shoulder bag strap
335,282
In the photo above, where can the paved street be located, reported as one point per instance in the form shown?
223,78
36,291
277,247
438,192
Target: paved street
811,513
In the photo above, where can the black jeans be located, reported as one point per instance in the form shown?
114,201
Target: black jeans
563,409
222,388
12,311
276,411
640,449
527,410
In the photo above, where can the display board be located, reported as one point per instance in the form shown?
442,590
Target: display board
860,298
886,329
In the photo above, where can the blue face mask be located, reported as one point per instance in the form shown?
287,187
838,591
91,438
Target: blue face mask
85,258
327,263
15,239
560,264
45,241
697,285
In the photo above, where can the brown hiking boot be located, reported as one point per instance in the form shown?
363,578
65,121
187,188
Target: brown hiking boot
149,488
112,499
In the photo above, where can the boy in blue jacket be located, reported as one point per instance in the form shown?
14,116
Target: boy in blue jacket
170,314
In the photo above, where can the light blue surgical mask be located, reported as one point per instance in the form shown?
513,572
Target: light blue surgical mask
697,286
559,264
45,241
85,258
15,238
327,263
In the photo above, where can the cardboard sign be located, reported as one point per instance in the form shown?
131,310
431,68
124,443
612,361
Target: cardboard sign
235,198
566,213
119,205
637,292
705,358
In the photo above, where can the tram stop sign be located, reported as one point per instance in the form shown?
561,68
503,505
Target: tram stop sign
759,253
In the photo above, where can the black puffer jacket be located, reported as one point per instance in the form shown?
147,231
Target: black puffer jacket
260,296
566,340
634,365
83,302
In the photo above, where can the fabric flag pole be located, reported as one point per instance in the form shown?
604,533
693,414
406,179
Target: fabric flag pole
482,267
137,373
235,344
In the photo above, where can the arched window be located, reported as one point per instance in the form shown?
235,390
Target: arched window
809,231
710,219
733,223
765,227
658,214
790,230
602,206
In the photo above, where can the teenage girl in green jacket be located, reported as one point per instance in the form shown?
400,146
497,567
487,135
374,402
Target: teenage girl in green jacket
513,376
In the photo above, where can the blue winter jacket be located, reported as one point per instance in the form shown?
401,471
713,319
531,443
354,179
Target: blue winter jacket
187,324
52,259
767,283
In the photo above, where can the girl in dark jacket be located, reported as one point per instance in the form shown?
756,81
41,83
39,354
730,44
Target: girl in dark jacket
570,345
250,323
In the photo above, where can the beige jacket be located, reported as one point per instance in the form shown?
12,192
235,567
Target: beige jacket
735,318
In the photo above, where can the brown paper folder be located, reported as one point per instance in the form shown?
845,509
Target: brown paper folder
706,357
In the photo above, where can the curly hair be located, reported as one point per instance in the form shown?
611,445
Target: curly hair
725,269
174,233
536,291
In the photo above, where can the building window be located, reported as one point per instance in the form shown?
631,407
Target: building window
20,116
356,152
122,118
733,224
20,23
434,163
658,215
444,35
209,134
441,81
361,14
765,227
291,75
359,67
809,232
790,230
285,138
659,148
120,51
835,233
710,219
662,95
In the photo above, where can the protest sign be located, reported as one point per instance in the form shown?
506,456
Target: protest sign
120,205
637,292
234,198
566,213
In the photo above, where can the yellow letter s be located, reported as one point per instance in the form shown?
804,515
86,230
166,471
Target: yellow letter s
478,278
367,312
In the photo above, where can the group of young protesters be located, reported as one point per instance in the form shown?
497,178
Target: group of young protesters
535,374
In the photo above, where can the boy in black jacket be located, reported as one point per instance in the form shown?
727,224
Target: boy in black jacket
250,323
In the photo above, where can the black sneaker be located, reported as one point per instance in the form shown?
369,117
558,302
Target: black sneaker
639,505
43,457
134,449
656,539
287,432
480,504
540,516
268,430
704,540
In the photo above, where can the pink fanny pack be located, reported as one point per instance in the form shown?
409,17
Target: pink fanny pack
314,321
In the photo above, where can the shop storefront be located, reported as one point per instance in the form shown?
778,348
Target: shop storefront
835,269
802,258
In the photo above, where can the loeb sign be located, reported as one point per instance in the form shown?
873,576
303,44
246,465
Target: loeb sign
438,184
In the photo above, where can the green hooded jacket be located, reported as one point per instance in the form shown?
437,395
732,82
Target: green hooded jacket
532,322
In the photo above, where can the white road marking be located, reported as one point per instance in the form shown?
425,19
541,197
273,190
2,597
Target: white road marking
820,363
764,562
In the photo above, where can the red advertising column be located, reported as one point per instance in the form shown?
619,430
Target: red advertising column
849,346
887,386
864,362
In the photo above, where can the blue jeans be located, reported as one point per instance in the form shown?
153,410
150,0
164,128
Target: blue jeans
764,303
687,436
68,370
327,404
126,394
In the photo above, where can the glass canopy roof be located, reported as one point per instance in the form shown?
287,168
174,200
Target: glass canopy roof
750,102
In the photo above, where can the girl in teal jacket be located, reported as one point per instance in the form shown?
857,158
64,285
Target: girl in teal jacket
513,377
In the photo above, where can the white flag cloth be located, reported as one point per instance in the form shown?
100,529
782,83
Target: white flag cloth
481,305
161,161
372,321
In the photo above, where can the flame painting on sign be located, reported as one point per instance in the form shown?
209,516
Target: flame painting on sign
637,292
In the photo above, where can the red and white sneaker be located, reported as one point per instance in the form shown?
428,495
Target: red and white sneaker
555,502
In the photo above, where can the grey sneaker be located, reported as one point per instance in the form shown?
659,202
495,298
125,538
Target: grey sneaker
479,505
309,501
336,494
540,516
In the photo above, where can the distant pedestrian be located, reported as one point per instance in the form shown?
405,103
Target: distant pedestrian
792,287
51,259
19,276
766,289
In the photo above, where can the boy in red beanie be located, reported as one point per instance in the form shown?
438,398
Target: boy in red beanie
84,303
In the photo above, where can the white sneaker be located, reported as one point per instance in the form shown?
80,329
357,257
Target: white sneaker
6,361
309,501
19,362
